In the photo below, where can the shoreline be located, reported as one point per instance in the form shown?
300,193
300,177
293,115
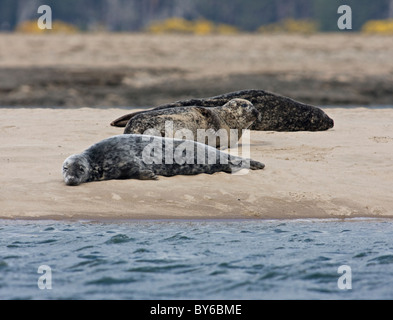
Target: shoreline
202,220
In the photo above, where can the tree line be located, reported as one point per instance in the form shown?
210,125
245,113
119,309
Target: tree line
136,15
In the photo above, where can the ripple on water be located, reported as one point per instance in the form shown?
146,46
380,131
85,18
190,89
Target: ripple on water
46,241
177,237
141,250
362,254
158,269
321,277
384,259
106,281
80,266
278,230
84,248
119,238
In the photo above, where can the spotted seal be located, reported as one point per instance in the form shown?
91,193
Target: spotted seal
219,127
144,157
278,113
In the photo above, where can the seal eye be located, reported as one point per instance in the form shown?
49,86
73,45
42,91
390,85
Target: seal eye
82,169
65,168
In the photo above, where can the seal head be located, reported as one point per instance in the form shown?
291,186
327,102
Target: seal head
318,120
238,113
76,170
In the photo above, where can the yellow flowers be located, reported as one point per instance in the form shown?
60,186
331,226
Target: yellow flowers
58,26
198,27
206,27
378,26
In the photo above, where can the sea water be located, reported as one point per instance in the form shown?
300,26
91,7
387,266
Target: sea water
177,259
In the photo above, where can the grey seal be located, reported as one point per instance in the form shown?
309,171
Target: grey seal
219,127
278,113
144,157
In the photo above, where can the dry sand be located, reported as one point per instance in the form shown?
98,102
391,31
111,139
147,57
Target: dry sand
343,172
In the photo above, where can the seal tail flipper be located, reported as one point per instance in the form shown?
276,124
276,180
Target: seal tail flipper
123,120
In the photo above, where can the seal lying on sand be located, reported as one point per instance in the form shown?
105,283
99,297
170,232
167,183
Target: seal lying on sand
217,126
144,157
278,113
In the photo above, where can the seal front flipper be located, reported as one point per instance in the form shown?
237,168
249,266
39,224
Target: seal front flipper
239,164
256,165
146,175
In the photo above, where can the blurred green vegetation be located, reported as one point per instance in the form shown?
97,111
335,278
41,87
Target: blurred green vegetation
199,27
290,26
31,26
198,16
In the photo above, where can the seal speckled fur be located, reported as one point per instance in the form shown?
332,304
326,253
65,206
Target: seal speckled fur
124,157
236,114
278,113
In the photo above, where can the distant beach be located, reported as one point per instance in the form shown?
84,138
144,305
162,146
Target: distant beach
124,69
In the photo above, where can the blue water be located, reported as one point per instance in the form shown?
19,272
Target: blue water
243,259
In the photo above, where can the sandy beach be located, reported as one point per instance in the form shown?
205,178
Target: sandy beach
343,172
340,173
